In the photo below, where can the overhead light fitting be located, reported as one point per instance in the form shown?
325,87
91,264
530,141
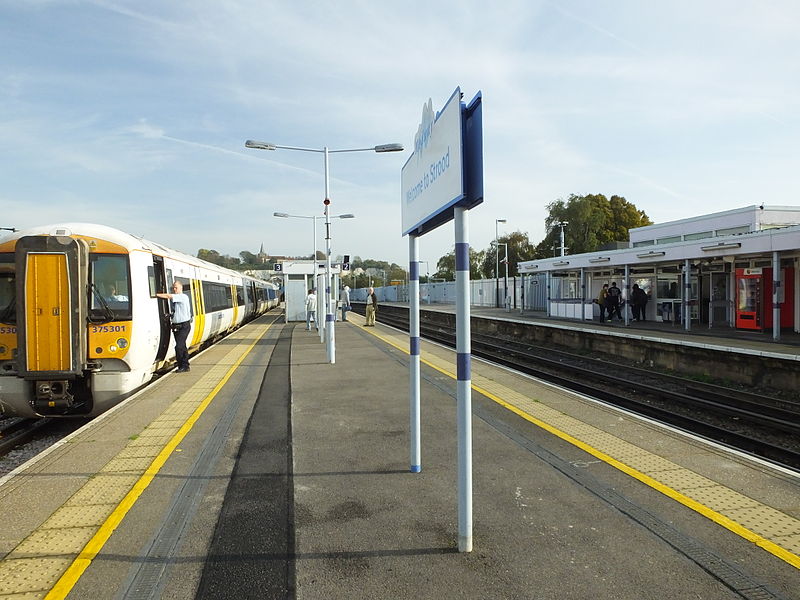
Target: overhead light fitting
722,246
561,263
600,259
651,254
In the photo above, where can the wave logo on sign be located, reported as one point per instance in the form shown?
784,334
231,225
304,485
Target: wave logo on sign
425,129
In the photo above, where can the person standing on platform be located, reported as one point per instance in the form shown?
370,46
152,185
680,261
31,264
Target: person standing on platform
345,297
181,323
311,310
614,297
602,299
638,303
372,308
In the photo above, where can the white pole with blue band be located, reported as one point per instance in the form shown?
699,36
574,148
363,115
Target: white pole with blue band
414,350
464,381
441,181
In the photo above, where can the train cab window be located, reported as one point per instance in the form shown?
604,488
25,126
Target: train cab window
187,289
8,288
109,297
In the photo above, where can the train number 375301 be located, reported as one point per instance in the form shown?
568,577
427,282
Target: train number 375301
108,328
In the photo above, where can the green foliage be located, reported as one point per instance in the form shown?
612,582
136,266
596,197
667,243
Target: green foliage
446,265
212,256
593,220
519,247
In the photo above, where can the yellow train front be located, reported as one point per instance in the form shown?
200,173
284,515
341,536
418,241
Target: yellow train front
81,327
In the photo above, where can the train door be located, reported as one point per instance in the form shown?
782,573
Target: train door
51,283
749,299
159,285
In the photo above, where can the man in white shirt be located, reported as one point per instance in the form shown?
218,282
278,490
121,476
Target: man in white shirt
345,298
311,310
181,323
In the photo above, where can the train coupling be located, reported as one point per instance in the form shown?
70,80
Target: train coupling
52,395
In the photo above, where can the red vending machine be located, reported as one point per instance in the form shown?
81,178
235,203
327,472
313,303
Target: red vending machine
754,298
749,299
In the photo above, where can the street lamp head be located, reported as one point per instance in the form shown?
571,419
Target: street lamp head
347,216
259,145
389,148
279,214
500,220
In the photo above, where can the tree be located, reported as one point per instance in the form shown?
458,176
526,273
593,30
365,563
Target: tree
446,265
519,247
592,221
248,258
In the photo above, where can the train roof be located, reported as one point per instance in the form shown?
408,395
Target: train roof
120,238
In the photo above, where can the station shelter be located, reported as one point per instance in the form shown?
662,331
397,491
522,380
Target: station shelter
299,276
739,268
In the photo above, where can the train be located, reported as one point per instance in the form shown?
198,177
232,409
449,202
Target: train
81,327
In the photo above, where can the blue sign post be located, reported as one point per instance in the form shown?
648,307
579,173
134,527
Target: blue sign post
441,181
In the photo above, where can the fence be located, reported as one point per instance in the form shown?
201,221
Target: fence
483,292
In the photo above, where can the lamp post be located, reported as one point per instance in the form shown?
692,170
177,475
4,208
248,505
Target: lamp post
11,229
497,260
563,224
314,253
325,151
314,217
505,279
427,278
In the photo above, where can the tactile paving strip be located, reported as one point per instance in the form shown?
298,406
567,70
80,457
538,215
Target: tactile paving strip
772,525
38,562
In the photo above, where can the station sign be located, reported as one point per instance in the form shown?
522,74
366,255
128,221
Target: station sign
446,168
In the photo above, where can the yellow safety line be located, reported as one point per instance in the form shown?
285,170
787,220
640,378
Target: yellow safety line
751,536
92,548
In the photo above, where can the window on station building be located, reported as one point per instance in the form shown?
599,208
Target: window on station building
698,236
667,288
643,243
669,240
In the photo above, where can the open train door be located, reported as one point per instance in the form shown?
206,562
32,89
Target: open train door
164,318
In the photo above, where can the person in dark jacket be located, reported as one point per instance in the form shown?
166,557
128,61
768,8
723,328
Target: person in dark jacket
614,299
638,303
602,301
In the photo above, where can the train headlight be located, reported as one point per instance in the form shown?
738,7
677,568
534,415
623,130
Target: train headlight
112,348
3,349
122,343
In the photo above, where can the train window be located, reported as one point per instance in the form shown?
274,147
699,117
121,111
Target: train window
8,288
151,279
239,295
187,289
109,275
217,296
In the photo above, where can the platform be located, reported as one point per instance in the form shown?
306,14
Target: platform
267,472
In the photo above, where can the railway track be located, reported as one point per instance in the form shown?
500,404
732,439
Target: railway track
758,425
15,432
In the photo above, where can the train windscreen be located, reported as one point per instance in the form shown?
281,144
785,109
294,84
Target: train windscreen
109,276
8,288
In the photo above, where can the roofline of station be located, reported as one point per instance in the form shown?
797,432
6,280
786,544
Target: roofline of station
728,248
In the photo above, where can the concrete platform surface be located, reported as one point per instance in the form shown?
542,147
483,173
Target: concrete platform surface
282,476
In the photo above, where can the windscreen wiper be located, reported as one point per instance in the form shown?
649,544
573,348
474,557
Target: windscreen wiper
109,314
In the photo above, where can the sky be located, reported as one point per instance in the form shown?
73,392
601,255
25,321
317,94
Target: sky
134,114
